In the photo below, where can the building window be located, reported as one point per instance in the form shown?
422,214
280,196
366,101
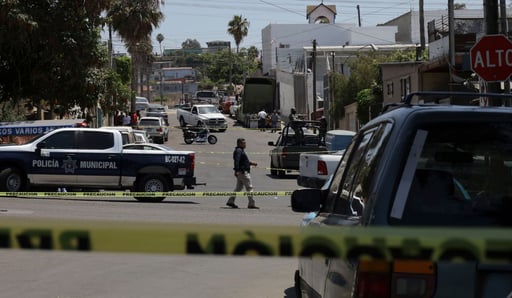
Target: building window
405,87
390,89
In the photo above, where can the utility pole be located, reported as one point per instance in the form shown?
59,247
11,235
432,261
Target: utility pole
314,78
504,31
491,27
422,28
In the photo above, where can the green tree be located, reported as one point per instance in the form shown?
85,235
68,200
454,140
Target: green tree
238,28
49,50
160,38
364,84
190,44
134,22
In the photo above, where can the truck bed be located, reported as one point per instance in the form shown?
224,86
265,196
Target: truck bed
315,169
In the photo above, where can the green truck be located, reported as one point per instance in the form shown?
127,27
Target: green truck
259,93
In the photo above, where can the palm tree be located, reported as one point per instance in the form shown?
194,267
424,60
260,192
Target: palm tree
160,38
134,22
238,27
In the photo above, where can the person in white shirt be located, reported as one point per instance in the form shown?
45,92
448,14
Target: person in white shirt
262,116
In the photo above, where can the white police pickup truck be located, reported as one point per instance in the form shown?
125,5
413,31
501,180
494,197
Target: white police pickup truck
90,158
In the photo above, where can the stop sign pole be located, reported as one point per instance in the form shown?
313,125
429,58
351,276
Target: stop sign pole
491,58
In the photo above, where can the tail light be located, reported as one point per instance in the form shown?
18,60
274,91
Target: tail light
321,168
192,158
399,279
373,279
284,154
159,129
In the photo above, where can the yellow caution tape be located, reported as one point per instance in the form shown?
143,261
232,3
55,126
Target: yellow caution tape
146,194
383,243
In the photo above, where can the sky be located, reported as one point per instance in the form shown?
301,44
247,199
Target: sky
207,20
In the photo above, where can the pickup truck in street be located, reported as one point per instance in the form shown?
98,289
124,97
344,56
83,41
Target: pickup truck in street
315,168
92,158
297,137
201,115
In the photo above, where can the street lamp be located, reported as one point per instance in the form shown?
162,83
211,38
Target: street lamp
161,87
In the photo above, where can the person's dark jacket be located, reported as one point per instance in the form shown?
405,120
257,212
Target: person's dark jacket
242,163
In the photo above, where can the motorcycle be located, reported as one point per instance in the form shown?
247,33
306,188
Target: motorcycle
198,135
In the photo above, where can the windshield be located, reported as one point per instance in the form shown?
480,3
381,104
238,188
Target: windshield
206,110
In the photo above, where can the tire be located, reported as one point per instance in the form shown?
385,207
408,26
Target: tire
273,171
212,139
152,183
182,122
12,180
189,141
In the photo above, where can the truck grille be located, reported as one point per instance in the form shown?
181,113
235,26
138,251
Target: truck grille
215,122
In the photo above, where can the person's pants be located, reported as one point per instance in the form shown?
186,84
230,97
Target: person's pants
243,180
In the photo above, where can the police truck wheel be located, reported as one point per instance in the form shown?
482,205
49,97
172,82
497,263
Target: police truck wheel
212,139
12,180
152,183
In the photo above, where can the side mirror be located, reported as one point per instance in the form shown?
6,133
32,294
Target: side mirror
270,143
307,200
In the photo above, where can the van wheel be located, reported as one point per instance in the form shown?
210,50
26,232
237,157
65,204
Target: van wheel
12,180
152,183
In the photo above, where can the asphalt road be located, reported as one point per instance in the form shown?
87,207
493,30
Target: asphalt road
71,274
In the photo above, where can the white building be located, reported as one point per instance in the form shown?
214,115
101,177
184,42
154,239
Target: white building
287,49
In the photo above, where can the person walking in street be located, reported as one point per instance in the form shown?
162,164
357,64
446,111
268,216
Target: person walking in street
274,119
242,168
262,116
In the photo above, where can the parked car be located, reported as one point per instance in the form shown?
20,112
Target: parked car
141,99
155,127
157,110
207,96
416,165
141,104
127,133
141,136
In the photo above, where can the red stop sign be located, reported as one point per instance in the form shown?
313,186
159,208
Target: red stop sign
491,58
